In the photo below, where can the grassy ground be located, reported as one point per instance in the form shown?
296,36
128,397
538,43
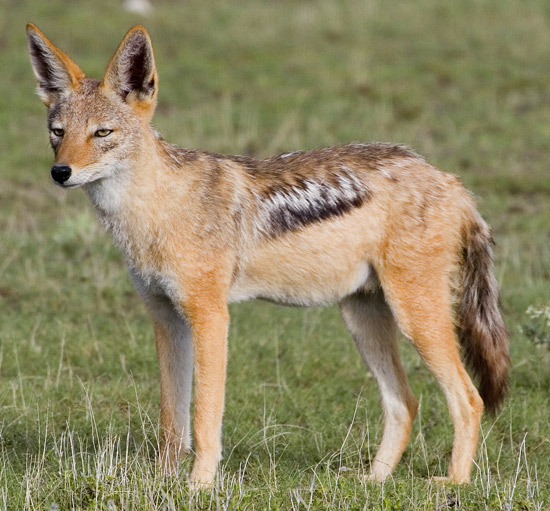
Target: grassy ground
464,83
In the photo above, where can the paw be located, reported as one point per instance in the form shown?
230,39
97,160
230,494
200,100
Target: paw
169,460
379,472
376,478
168,466
200,482
196,486
449,480
202,477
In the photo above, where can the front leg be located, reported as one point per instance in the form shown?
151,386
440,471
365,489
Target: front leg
175,358
209,320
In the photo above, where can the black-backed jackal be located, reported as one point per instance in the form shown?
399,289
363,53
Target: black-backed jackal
371,226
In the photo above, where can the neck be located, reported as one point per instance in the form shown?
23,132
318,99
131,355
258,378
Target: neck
128,201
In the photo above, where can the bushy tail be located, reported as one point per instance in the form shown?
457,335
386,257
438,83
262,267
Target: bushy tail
482,332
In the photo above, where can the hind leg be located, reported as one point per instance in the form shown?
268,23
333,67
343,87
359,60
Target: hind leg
373,328
422,304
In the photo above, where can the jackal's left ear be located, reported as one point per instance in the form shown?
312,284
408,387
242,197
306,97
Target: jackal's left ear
53,69
131,73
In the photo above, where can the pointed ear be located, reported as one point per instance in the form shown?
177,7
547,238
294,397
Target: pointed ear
131,73
53,69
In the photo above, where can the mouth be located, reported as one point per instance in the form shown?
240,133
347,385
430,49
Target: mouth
82,176
66,185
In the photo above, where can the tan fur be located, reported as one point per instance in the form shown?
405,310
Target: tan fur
371,226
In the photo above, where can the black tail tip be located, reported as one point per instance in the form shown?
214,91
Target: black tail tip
494,390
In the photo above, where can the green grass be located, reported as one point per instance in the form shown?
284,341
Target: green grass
464,83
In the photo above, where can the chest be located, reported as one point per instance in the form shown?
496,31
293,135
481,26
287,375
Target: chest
152,283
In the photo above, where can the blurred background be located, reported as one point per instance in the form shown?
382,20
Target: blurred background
466,84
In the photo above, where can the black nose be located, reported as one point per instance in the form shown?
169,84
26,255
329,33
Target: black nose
61,172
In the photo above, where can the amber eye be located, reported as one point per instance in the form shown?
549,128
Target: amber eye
58,132
102,133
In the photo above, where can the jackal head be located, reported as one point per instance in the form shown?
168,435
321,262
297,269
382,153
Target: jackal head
96,127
